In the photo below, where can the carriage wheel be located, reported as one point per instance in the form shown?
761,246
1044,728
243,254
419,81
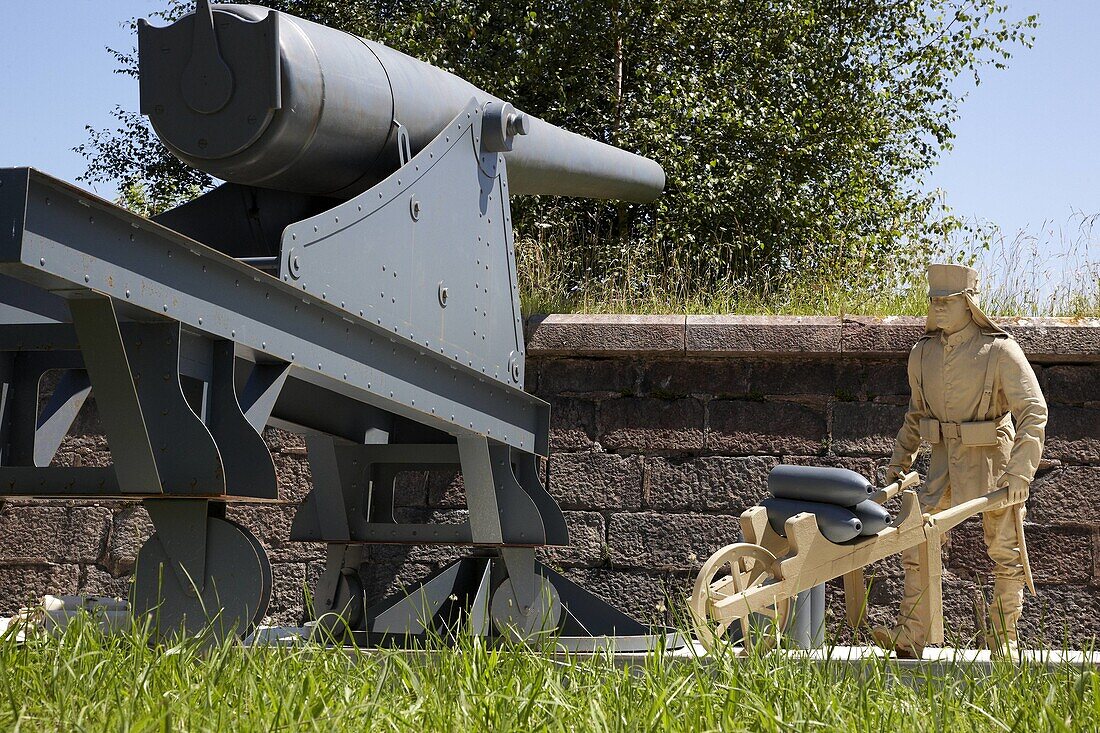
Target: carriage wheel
734,569
267,580
541,620
346,613
233,596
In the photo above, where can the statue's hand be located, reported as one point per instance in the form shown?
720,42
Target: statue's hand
894,474
1018,489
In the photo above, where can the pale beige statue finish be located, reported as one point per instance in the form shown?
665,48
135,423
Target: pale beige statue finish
976,400
761,576
967,378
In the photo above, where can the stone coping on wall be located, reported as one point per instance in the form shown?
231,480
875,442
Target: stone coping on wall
1050,340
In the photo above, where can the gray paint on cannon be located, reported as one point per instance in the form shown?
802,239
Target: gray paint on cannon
316,110
383,324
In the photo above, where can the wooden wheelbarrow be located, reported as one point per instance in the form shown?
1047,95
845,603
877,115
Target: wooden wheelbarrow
755,582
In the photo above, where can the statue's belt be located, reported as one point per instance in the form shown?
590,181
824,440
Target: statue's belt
980,433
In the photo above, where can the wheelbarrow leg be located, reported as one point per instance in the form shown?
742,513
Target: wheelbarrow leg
931,579
855,597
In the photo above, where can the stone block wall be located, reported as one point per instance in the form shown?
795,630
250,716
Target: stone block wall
663,432
667,426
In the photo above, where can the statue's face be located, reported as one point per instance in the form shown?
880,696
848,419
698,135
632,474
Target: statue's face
951,312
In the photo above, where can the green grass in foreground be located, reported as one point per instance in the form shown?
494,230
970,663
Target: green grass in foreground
84,681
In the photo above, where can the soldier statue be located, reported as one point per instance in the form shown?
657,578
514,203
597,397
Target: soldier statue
976,400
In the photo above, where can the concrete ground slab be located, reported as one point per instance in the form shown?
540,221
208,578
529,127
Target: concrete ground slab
942,660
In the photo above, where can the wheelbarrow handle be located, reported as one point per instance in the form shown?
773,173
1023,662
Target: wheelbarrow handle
887,493
948,518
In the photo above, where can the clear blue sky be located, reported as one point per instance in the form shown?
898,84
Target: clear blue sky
1028,145
1027,151
56,77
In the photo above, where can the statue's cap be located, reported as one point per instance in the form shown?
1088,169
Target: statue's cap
946,280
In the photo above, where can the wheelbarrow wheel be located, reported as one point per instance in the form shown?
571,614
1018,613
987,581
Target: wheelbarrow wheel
731,570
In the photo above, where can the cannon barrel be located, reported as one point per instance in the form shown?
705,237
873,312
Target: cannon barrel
259,97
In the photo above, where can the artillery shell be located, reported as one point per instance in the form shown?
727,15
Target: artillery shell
816,483
874,516
837,523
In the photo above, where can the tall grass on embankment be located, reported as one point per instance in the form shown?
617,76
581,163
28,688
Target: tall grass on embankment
1053,271
84,681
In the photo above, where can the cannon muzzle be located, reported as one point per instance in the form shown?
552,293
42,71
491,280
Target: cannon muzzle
259,97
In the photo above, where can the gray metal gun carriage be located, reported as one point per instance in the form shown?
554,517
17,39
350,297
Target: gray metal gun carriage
353,280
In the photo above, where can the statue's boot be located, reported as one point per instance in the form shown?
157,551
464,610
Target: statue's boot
910,633
897,640
1004,614
1002,543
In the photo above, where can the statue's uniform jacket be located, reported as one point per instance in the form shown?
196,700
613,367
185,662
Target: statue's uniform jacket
946,379
947,376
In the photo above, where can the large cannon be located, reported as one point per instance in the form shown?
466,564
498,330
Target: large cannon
266,99
353,280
